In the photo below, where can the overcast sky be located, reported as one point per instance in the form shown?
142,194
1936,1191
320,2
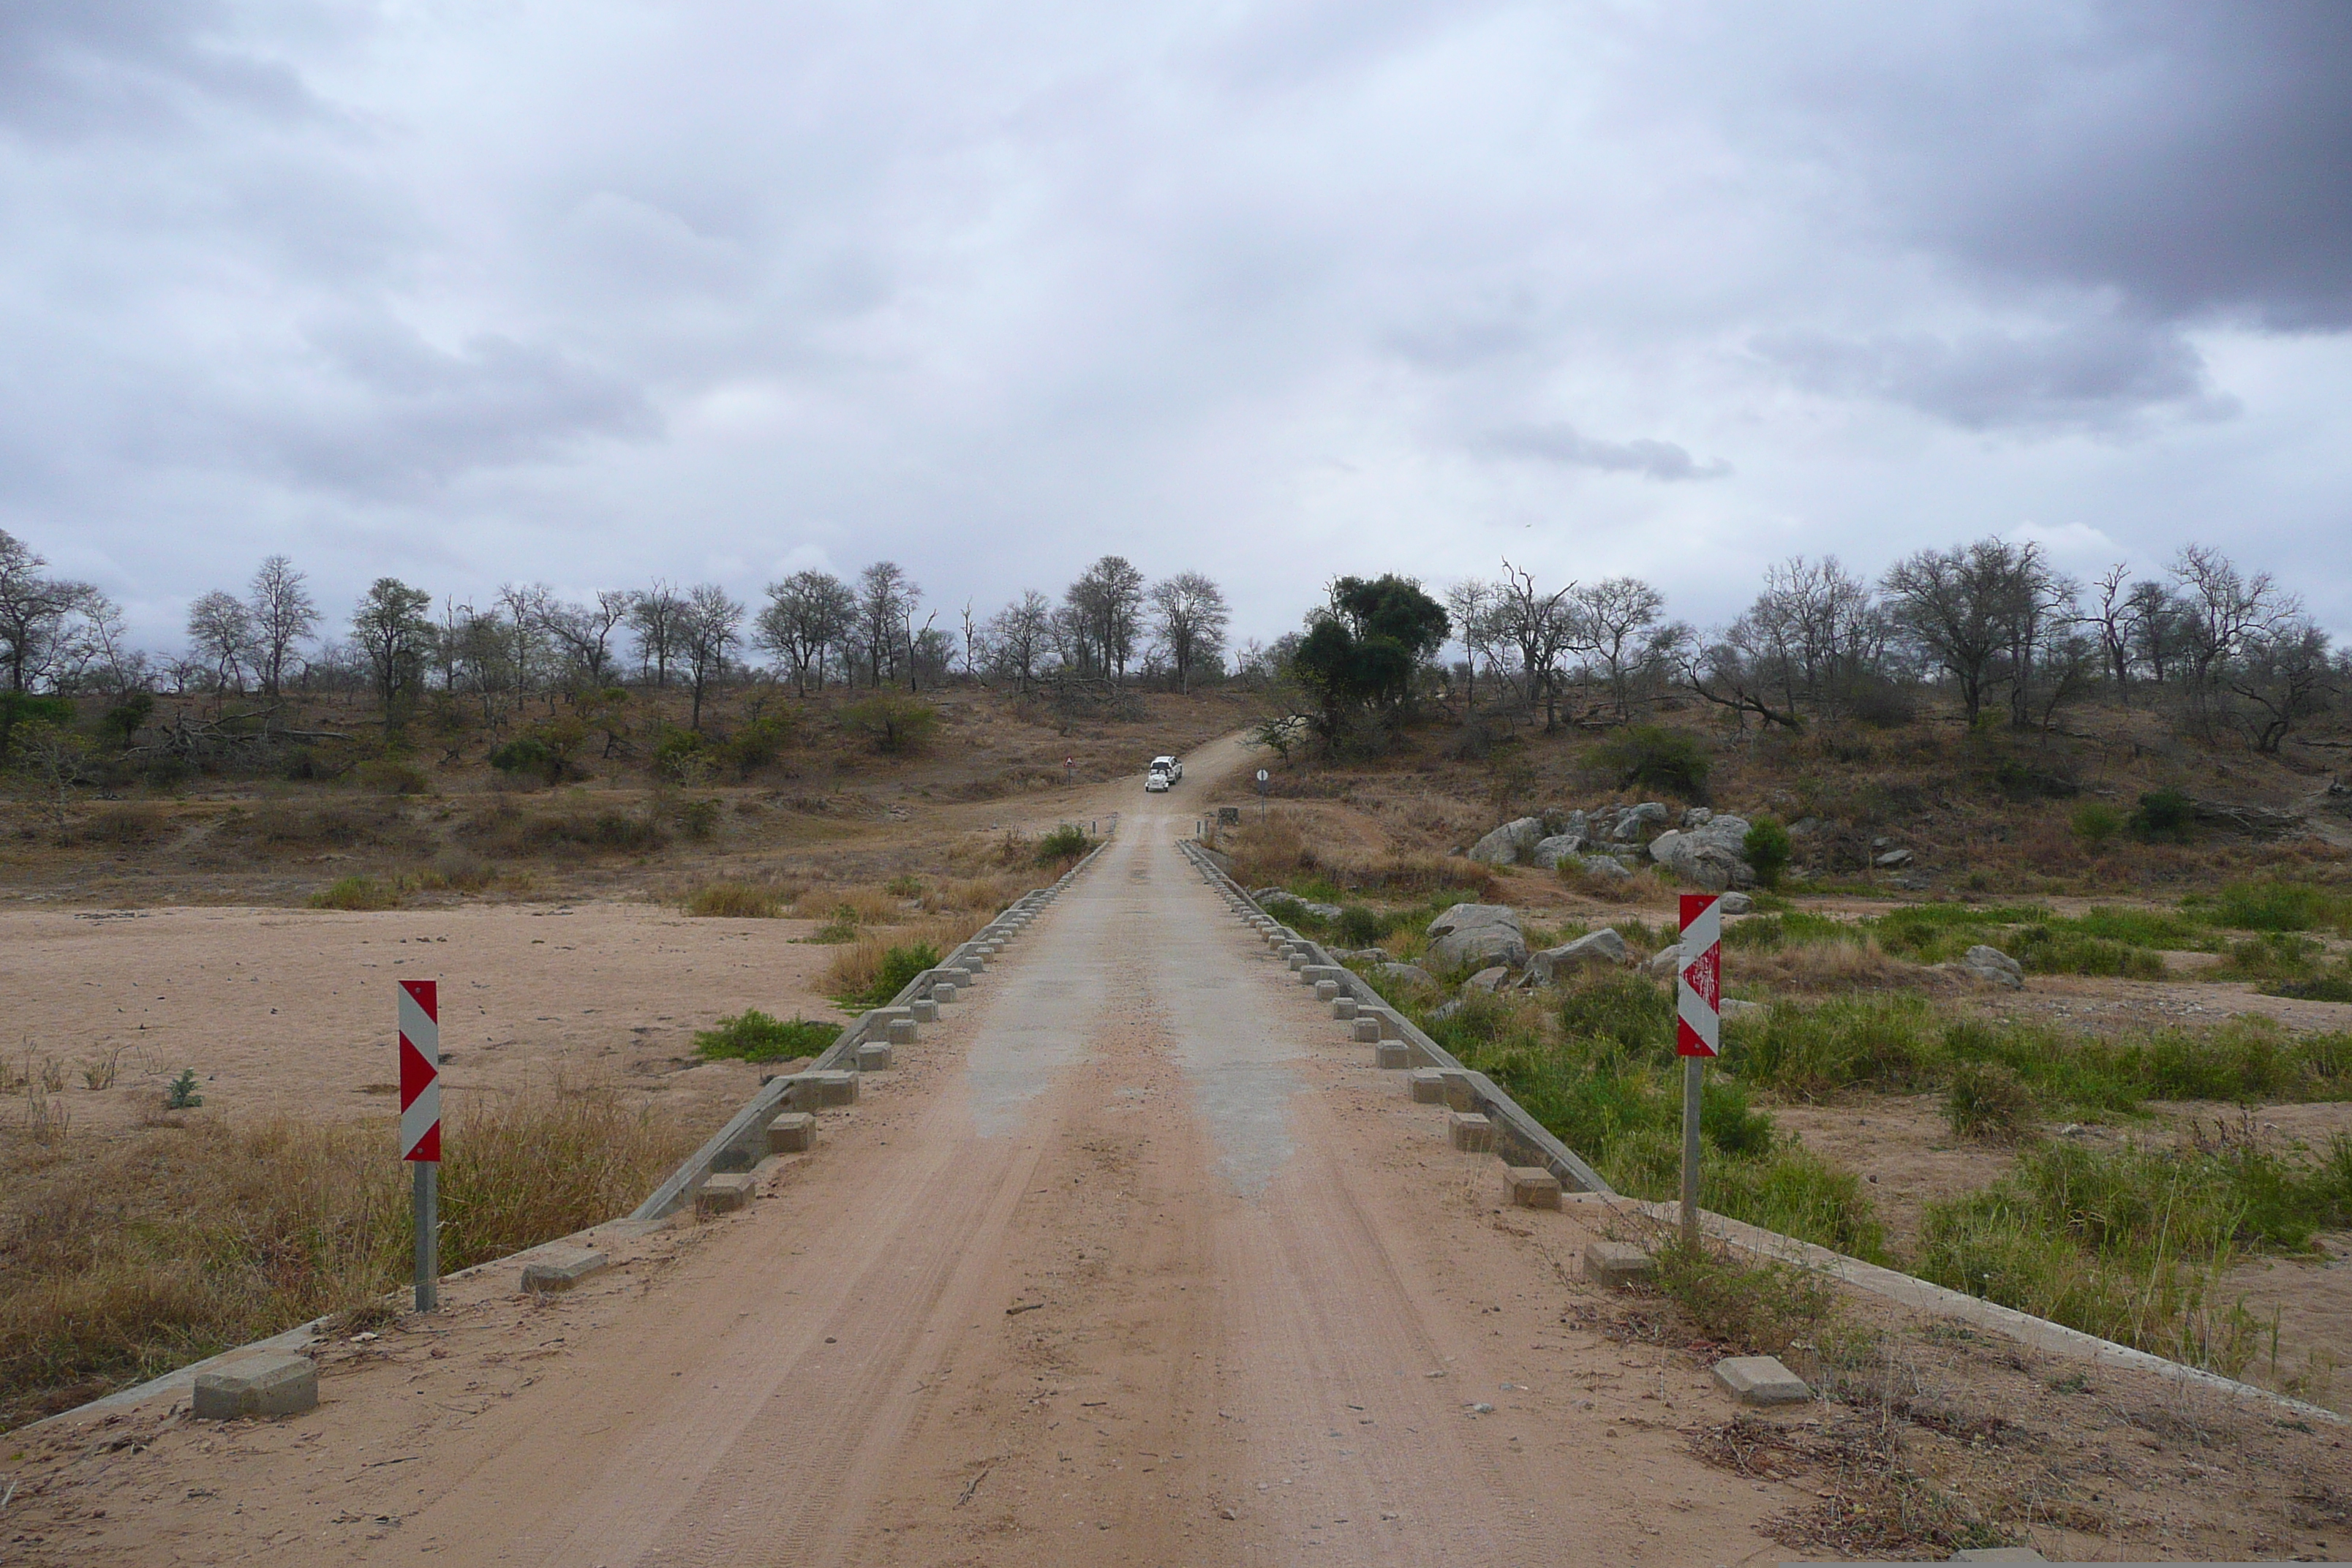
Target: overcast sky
591,292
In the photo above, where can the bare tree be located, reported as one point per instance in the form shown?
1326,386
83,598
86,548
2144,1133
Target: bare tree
2285,675
1612,622
1978,611
283,616
806,614
2221,610
2112,622
220,629
653,616
1020,633
1106,606
887,598
584,633
33,609
706,631
1539,626
2155,630
1472,605
1190,616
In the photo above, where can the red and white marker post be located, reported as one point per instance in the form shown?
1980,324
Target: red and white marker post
1699,1031
420,1125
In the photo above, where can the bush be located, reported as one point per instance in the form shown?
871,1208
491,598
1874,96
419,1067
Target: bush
756,744
700,818
896,725
1985,1101
884,978
2164,815
1765,847
1765,1307
391,776
357,893
2094,822
753,1036
1659,758
1066,843
526,755
735,901
679,756
2280,906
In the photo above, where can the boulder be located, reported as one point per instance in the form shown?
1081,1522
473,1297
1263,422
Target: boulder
1360,954
1558,823
1666,962
1509,843
1445,1010
1602,948
1410,973
1892,859
1697,816
1602,868
1991,963
1550,852
1733,1008
1711,856
1472,936
1489,979
1627,827
1734,904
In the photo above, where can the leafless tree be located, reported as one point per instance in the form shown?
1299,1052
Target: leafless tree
220,630
1105,606
1539,626
283,618
2155,630
1472,606
1190,616
653,616
1612,622
806,614
584,633
707,629
1981,612
2112,622
2222,610
1020,633
887,598
33,609
2285,675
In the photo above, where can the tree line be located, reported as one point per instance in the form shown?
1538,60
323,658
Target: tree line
811,629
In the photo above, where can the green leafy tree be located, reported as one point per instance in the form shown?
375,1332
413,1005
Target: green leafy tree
395,637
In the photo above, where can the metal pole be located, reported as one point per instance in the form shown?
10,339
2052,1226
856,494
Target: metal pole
1691,1068
429,1234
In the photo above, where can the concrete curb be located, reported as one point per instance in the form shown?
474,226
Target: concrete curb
1515,1131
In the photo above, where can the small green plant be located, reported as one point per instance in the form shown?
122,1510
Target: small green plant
1067,842
1768,1307
391,775
839,927
1659,758
753,1035
699,818
899,965
894,724
181,1095
1985,1101
2280,906
2094,823
903,885
681,756
355,893
756,744
526,755
2164,816
1766,848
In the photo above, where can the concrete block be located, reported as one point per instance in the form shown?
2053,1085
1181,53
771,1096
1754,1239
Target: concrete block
1327,991
973,960
257,1385
1531,1187
1428,1086
1457,1090
955,975
830,1089
926,1010
874,1055
1365,1031
560,1268
1618,1264
1343,1008
1760,1380
793,1132
1297,961
1392,1055
942,991
900,1032
725,1193
1470,1132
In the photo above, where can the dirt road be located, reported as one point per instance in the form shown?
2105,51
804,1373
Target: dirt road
1131,1260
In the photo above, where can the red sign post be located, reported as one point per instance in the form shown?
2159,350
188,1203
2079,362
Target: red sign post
420,1124
1699,1031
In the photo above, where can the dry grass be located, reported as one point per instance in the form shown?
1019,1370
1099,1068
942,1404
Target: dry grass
857,965
857,905
1824,968
737,900
120,1260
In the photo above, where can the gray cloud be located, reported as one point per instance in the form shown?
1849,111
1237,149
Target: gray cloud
2096,375
1651,459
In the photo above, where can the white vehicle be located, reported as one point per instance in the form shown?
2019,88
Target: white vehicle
1168,765
1155,782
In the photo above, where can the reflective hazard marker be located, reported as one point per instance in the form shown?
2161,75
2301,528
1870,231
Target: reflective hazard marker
420,1124
1698,1032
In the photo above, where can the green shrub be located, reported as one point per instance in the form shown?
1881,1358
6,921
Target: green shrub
1066,842
1658,758
895,724
756,744
903,885
699,818
2274,957
181,1094
681,756
526,756
391,775
899,965
2094,822
839,927
1767,1307
357,893
1765,847
753,1036
1985,1101
24,707
2277,906
2164,815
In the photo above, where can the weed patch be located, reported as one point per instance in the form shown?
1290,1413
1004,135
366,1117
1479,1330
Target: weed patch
739,900
753,1036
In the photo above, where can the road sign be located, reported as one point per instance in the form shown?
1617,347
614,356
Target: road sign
1261,775
420,1069
1698,998
1698,1033
420,1126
